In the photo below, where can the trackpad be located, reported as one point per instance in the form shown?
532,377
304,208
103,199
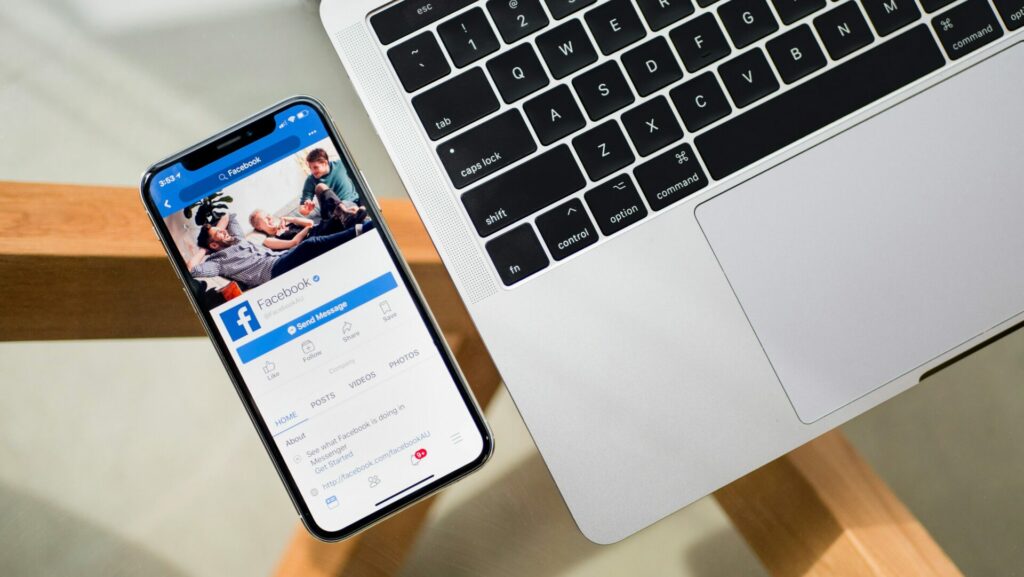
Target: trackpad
892,243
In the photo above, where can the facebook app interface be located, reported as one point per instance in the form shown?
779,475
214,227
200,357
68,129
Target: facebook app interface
328,339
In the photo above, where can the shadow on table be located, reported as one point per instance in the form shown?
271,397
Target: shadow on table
519,525
40,539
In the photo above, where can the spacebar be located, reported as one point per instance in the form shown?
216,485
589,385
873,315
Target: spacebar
819,102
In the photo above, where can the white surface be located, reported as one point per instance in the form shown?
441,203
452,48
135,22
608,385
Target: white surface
950,448
632,364
864,259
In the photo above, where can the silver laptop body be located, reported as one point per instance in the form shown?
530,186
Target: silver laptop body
669,322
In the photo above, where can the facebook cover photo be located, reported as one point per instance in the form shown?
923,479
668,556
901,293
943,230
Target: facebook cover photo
269,223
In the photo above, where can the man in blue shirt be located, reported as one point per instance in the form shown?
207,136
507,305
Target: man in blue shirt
329,182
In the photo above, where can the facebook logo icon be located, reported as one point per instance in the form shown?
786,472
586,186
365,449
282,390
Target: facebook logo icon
240,321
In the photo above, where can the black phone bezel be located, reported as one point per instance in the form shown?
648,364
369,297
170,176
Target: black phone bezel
239,131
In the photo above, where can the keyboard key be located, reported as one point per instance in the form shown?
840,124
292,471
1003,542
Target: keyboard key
566,229
966,28
407,17
818,102
527,188
747,21
419,61
933,5
748,78
700,42
562,8
670,177
705,3
662,13
843,30
792,10
566,49
517,255
603,90
468,37
554,114
652,66
517,73
652,126
1012,12
603,150
456,103
615,25
516,20
486,148
888,16
700,102
615,205
796,54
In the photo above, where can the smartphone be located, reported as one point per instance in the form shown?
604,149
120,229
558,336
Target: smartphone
339,363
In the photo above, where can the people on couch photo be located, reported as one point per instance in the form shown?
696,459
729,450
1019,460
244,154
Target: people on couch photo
225,252
298,209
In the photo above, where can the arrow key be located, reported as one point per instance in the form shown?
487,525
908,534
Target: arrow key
566,229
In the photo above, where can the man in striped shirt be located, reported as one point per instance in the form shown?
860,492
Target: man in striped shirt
228,254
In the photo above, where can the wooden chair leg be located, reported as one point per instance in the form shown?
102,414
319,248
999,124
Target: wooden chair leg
821,511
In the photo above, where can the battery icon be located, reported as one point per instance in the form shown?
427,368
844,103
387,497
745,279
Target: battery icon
302,114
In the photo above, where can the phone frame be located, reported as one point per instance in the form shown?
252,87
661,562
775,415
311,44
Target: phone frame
179,265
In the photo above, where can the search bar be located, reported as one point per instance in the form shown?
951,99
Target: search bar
245,166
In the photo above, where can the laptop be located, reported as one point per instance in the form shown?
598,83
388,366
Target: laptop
696,234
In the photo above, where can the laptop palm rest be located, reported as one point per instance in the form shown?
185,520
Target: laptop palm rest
894,242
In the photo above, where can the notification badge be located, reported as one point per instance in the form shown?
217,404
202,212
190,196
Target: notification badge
418,456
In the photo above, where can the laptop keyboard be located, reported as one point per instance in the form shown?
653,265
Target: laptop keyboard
637,104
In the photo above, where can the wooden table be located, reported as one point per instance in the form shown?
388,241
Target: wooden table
818,511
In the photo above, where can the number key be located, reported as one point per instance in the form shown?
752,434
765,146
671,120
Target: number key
468,37
517,19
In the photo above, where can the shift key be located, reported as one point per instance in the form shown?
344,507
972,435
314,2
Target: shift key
527,188
486,148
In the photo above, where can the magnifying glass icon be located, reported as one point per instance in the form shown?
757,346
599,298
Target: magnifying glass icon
222,177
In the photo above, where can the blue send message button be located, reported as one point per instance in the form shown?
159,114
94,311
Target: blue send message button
326,313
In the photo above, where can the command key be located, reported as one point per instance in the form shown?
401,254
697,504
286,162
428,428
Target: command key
967,28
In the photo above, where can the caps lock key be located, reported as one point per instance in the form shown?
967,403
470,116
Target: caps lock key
486,148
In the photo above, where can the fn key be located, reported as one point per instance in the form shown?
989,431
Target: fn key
517,254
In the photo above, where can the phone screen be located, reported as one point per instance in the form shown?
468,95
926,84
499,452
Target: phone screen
285,253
